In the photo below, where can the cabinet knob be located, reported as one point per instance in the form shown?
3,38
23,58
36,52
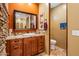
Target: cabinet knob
15,47
17,41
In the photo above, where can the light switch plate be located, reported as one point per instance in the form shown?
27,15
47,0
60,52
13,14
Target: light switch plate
75,32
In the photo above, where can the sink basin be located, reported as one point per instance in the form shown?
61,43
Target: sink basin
29,34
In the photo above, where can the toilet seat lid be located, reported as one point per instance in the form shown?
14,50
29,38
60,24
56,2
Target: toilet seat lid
53,40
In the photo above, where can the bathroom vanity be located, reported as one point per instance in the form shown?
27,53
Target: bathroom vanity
25,45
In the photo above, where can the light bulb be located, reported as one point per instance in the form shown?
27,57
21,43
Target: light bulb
29,3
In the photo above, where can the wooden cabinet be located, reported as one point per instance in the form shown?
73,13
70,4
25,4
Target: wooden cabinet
8,47
34,46
25,47
14,47
30,46
41,44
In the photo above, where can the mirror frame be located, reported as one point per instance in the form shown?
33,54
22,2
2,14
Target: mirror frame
21,30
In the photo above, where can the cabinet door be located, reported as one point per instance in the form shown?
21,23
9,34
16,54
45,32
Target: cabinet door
16,47
34,46
41,44
27,47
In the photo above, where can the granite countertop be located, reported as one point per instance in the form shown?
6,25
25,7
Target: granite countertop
23,36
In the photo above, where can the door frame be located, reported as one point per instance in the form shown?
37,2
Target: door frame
66,29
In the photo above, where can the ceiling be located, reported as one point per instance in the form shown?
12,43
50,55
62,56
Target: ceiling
53,5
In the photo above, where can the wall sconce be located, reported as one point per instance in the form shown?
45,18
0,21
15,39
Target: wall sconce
29,3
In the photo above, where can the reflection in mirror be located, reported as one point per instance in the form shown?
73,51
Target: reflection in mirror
24,20
33,22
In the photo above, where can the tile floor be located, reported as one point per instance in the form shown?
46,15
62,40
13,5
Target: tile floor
56,52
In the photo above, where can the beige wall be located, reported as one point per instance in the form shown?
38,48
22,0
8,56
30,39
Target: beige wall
58,15
44,9
73,24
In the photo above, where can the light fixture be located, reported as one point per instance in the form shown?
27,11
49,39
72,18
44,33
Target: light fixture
46,3
29,3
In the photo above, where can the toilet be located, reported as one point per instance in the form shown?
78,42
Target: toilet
53,44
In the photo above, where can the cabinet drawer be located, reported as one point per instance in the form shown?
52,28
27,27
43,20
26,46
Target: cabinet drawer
43,37
40,40
41,49
16,52
16,47
41,44
16,41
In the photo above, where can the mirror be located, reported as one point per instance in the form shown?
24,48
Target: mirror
24,20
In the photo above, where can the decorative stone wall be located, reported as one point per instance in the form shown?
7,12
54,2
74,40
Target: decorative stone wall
3,28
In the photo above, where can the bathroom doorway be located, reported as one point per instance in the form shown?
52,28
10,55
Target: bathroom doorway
58,29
